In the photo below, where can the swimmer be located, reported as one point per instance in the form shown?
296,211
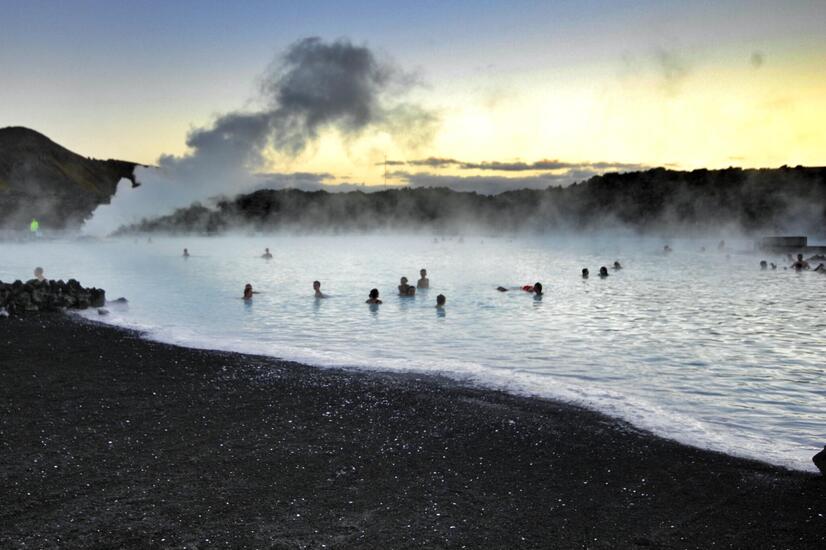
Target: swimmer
617,265
266,255
603,272
440,301
406,289
317,290
667,249
774,266
248,292
423,282
800,264
38,274
535,288
585,272
764,265
374,297
186,253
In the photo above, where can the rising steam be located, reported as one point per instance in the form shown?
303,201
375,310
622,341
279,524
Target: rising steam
313,87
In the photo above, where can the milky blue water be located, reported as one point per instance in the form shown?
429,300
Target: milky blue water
701,347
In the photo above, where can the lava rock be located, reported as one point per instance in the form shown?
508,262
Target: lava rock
820,461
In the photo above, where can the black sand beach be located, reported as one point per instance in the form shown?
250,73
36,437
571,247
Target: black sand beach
108,440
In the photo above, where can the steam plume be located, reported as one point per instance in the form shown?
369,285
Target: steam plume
313,87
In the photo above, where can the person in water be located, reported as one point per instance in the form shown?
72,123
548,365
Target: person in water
266,255
38,274
821,268
764,265
440,301
603,272
248,292
317,290
535,288
585,272
800,264
186,253
406,289
667,249
617,265
774,266
423,281
374,297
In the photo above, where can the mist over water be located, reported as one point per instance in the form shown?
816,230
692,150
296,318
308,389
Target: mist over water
701,347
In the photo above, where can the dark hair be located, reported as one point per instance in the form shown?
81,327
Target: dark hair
440,299
374,293
316,283
585,271
537,288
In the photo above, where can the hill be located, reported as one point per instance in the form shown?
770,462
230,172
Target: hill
657,200
40,179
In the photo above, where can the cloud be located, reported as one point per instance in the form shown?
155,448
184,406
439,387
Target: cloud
757,59
672,68
520,166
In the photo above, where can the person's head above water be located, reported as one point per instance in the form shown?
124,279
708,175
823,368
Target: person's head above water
440,300
763,264
374,293
617,265
423,272
537,288
403,280
247,290
38,273
316,285
585,272
603,271
800,257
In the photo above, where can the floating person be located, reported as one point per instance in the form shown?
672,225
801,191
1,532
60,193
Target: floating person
800,264
423,282
266,255
603,272
406,289
248,292
764,265
317,290
38,274
774,266
585,272
667,249
535,288
373,297
440,301
186,253
617,265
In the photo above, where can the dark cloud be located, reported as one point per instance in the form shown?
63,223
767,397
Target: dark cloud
757,59
672,67
520,166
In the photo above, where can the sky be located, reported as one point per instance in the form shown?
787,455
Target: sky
551,91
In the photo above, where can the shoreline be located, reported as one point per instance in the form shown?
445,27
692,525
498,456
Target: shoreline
109,438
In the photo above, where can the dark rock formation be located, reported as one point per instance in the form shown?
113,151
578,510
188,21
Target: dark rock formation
40,179
658,200
19,297
820,461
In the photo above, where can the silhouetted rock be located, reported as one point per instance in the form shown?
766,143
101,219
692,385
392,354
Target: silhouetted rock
655,200
40,179
820,461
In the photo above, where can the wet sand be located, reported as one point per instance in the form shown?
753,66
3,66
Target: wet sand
109,440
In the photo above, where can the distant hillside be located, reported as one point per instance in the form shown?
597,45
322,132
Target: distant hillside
40,179
658,200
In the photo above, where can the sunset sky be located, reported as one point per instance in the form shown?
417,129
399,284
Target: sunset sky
591,84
